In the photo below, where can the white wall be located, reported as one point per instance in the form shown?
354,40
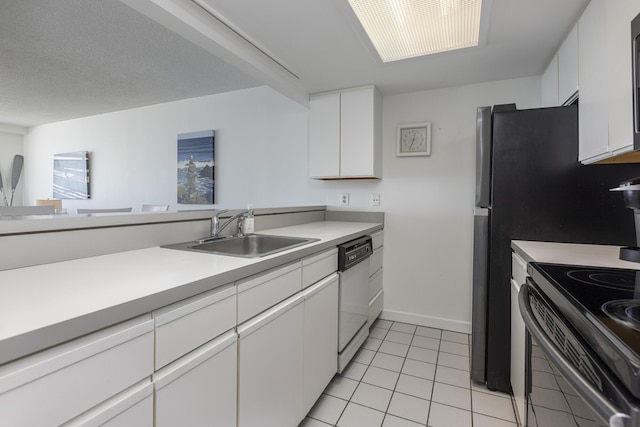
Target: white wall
260,143
261,155
428,202
10,145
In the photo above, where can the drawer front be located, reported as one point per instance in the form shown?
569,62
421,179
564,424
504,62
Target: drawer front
71,378
377,239
186,325
375,307
317,267
259,293
375,284
518,268
132,407
376,261
200,388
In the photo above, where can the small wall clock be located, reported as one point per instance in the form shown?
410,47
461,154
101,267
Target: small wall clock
414,140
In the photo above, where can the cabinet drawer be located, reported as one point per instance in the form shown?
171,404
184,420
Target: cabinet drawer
375,307
71,378
375,284
132,407
258,293
200,388
188,324
319,266
518,268
376,261
377,239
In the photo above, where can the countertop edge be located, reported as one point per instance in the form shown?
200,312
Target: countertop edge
571,254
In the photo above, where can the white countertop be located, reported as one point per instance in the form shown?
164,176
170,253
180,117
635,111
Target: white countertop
44,305
572,254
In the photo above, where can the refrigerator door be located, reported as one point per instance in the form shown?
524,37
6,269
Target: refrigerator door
483,157
480,291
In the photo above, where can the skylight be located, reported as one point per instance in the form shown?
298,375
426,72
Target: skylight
401,29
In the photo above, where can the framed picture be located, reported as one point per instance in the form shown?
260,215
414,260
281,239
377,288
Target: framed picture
196,165
71,175
414,139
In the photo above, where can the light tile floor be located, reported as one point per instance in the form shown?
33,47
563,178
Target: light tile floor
410,376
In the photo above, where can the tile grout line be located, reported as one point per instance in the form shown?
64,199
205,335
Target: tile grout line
440,355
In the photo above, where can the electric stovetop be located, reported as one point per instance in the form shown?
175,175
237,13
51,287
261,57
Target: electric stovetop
603,305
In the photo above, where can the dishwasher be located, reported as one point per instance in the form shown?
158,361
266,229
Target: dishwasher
353,303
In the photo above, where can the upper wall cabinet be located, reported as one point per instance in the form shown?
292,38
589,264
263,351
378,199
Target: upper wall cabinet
345,134
549,84
604,63
559,83
568,68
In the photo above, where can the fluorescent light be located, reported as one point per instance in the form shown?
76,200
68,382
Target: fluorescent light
401,29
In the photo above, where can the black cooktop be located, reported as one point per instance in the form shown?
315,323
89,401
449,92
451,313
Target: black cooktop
603,305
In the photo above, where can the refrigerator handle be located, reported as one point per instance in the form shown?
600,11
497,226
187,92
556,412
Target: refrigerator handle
483,156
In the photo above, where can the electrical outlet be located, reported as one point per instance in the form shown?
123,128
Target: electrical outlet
375,199
344,199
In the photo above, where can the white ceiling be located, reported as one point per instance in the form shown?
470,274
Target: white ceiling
65,59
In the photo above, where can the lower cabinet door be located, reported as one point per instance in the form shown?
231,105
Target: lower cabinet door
270,367
200,388
132,407
56,385
320,338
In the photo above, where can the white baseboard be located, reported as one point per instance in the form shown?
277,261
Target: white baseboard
429,321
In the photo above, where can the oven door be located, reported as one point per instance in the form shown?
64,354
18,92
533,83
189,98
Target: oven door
566,383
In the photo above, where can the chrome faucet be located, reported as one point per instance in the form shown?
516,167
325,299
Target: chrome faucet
216,228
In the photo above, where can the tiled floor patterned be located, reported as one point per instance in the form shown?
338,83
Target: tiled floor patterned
410,376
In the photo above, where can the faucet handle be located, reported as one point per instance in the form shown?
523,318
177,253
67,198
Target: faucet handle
218,212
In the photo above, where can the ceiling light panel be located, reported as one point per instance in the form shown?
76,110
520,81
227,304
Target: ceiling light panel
401,29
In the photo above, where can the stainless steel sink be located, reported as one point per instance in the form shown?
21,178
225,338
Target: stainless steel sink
252,246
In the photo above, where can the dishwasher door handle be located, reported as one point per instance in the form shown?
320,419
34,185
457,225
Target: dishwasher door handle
594,398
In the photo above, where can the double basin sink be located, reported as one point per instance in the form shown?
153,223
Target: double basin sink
251,246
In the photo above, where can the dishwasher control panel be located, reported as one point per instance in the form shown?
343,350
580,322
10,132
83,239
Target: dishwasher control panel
353,252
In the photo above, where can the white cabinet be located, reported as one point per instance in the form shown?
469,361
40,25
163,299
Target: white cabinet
317,267
270,367
549,84
324,136
200,388
132,407
604,62
264,290
518,277
188,324
376,293
345,134
288,354
568,67
559,82
320,338
69,379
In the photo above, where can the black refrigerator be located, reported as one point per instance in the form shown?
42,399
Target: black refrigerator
530,186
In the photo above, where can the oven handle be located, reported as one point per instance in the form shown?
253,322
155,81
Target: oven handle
599,403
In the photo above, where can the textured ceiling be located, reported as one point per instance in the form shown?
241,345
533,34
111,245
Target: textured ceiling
65,59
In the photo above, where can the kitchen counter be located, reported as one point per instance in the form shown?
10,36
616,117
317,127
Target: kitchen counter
572,254
48,304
